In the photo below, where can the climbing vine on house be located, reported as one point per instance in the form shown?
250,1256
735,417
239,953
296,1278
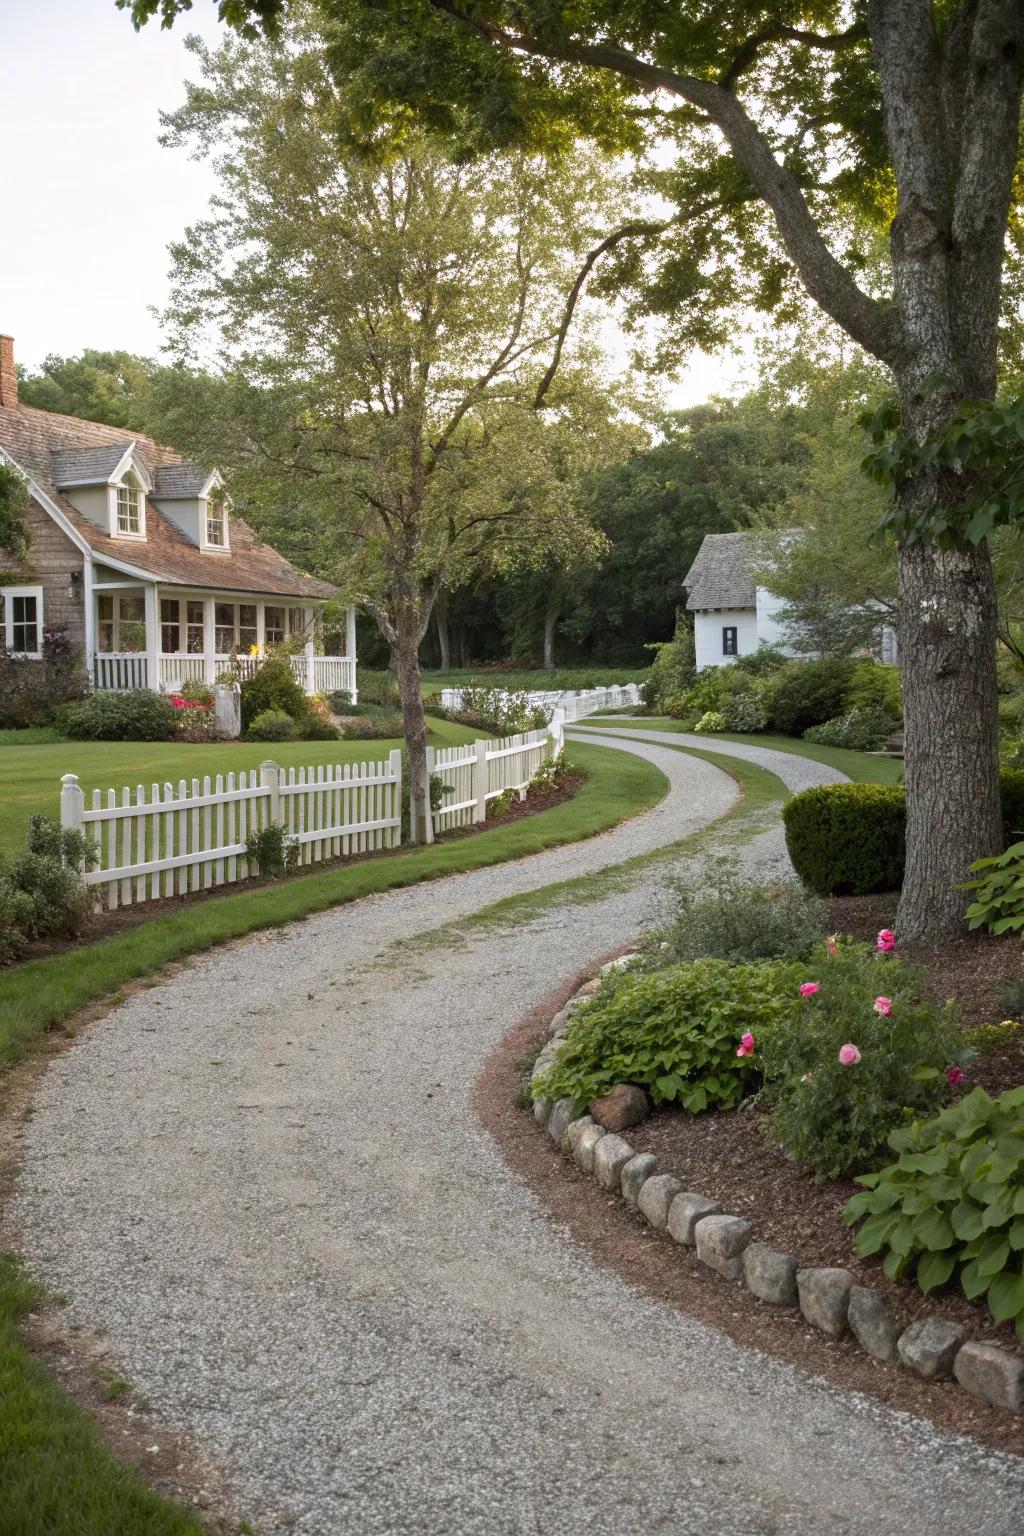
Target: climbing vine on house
14,536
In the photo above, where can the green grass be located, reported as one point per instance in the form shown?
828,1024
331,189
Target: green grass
41,994
569,678
56,1474
862,767
33,762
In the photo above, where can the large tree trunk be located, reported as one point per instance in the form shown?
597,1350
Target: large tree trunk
551,618
947,634
443,638
408,634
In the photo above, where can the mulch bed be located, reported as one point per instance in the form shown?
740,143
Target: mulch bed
621,1240
106,925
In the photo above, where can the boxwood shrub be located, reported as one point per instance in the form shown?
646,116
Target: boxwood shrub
850,839
136,715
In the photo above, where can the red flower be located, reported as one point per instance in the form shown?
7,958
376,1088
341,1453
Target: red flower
954,1077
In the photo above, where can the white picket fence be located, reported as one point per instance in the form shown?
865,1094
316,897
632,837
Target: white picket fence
573,706
175,840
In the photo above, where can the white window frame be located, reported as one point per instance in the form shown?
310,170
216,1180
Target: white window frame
8,594
224,546
139,491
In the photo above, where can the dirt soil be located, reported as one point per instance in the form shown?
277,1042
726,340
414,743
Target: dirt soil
620,1239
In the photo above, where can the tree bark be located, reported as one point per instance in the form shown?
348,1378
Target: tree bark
443,637
551,618
947,633
408,634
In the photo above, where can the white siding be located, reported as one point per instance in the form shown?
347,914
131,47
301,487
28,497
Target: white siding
707,634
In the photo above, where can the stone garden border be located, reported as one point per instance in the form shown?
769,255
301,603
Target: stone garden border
933,1348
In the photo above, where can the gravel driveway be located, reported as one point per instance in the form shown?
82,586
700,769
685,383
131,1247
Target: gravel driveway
264,1181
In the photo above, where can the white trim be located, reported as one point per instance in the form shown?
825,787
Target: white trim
8,594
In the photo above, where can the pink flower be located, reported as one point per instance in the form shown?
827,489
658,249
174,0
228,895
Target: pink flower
849,1055
886,941
808,988
954,1077
832,944
746,1045
883,1005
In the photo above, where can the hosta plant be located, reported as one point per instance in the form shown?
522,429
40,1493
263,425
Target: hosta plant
998,905
677,1032
952,1204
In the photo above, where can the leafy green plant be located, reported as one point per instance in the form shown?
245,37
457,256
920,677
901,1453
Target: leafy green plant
952,1204
675,1031
381,725
995,1037
710,722
42,893
272,850
845,1064
877,685
728,919
744,710
273,686
137,715
502,712
499,804
673,667
998,906
806,693
862,729
272,725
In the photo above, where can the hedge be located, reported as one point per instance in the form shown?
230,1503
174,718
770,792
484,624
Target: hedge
850,839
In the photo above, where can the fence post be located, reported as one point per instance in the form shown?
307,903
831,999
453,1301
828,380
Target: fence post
395,769
270,778
480,780
427,811
72,807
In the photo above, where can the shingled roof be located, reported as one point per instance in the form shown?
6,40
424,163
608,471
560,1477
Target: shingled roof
720,575
180,482
48,446
86,466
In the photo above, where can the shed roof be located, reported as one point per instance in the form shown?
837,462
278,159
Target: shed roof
720,576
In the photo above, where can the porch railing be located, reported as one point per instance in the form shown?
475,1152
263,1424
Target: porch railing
121,670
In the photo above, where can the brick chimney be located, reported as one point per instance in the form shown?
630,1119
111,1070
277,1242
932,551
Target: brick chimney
8,377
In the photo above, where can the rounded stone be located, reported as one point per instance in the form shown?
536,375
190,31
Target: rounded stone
872,1317
560,1119
585,1144
720,1242
656,1197
928,1348
825,1298
610,1157
770,1275
622,1106
684,1213
992,1374
635,1175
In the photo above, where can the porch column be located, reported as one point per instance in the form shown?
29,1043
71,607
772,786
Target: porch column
308,615
209,643
350,649
151,595
261,627
89,617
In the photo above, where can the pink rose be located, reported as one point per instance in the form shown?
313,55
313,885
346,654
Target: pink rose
849,1055
883,1005
746,1045
954,1077
832,943
886,941
808,988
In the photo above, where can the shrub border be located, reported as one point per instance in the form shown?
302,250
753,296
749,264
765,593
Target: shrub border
933,1348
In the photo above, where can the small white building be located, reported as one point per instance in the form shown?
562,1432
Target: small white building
732,615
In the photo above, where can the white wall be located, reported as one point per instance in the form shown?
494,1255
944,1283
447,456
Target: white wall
707,634
769,630
93,501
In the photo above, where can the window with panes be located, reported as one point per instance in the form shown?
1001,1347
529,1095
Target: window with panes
129,509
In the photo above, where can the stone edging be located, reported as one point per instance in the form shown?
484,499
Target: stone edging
933,1348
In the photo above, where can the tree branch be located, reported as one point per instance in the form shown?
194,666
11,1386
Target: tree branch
748,51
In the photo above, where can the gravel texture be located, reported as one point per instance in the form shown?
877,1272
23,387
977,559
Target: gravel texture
263,1179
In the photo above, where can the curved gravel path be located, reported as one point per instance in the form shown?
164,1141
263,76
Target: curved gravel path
263,1180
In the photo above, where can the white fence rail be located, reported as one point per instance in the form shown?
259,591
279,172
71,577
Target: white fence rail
118,671
173,840
574,706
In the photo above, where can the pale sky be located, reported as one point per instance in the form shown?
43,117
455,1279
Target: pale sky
90,199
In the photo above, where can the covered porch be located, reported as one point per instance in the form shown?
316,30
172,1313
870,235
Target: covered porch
145,635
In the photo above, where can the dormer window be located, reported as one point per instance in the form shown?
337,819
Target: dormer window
129,510
216,521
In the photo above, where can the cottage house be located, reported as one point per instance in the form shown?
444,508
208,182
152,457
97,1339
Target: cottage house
733,615
140,556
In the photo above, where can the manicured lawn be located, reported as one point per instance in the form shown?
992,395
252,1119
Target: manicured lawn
32,764
572,678
862,767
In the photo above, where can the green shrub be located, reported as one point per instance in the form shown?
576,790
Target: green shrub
762,663
674,1031
833,1115
673,668
272,725
862,729
952,1204
32,691
849,839
273,686
499,711
805,693
309,728
725,919
380,726
272,851
42,894
744,710
710,722
377,687
875,685
137,715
